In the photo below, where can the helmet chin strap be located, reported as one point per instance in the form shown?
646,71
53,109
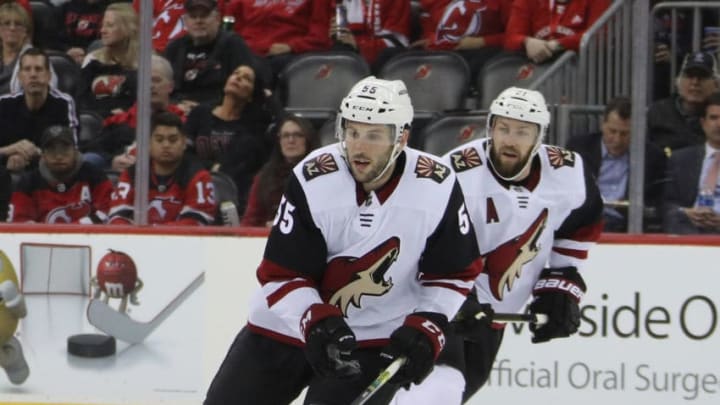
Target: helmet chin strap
393,156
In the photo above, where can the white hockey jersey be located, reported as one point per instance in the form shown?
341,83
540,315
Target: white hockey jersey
550,219
377,256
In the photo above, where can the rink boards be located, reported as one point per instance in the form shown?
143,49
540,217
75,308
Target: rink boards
649,331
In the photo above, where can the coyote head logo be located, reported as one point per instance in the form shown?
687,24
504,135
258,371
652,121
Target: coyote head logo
349,278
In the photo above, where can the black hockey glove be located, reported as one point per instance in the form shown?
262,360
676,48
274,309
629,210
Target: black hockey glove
557,294
420,340
329,342
466,324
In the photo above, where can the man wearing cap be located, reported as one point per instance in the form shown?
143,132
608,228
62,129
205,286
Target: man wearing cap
24,115
62,189
674,122
205,56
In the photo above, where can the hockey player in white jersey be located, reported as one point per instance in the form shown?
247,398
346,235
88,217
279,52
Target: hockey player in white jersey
370,253
537,211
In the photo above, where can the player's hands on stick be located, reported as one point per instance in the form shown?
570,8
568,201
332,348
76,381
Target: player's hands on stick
557,293
420,340
329,342
473,318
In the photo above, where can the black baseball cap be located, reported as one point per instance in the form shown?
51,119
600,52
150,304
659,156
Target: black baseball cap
206,4
57,134
701,64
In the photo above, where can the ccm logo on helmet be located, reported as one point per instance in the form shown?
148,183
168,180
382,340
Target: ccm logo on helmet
559,284
362,108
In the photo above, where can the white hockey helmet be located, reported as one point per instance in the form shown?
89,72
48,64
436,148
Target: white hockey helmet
377,101
523,105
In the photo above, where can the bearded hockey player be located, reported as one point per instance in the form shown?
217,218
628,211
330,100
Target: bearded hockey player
358,269
540,211
12,308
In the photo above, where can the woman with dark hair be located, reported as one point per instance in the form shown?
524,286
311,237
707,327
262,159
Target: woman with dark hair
231,137
295,139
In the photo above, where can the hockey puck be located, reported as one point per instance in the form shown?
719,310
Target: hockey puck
91,345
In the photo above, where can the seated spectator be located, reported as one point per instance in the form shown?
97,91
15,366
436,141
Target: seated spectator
377,29
15,36
545,29
692,197
62,189
110,73
205,56
110,149
476,30
181,191
277,31
295,139
5,191
81,21
231,137
25,115
607,154
674,122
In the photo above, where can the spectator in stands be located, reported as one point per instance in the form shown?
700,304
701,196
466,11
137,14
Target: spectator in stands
15,36
23,3
81,21
181,191
476,30
544,29
378,29
295,139
110,73
113,147
278,31
25,115
674,122
205,56
692,197
607,154
231,137
62,189
5,191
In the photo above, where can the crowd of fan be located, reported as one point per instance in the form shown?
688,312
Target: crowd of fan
214,111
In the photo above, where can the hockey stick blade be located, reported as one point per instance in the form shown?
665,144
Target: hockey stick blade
121,326
378,382
538,319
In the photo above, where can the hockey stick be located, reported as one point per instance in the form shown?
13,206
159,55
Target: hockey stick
379,381
538,319
121,326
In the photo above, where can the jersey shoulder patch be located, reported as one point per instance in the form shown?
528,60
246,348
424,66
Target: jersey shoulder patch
560,157
320,165
465,159
431,169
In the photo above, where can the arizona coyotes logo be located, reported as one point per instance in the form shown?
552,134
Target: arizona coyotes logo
349,278
465,159
324,71
68,213
504,264
107,85
560,157
322,164
430,169
460,19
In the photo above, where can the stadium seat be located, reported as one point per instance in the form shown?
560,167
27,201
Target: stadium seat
225,192
505,70
91,124
451,130
314,84
67,72
437,81
46,19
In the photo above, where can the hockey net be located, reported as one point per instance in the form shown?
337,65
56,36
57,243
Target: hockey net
55,269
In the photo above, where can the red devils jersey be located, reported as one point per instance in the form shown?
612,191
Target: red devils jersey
549,219
446,22
565,21
377,256
83,200
302,24
185,198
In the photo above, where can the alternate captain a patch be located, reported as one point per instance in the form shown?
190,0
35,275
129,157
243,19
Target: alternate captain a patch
560,157
430,169
322,164
465,159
